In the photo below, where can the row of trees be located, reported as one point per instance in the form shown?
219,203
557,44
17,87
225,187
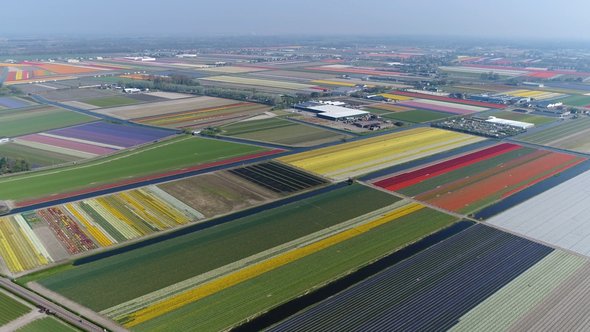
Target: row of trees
182,84
8,165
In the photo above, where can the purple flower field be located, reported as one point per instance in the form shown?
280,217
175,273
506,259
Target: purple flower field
10,102
112,134
62,143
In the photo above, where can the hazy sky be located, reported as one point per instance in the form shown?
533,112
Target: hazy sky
490,18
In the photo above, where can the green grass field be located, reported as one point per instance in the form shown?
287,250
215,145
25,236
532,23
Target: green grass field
111,101
20,122
416,116
159,157
235,304
531,118
576,100
47,324
280,131
35,157
11,309
113,280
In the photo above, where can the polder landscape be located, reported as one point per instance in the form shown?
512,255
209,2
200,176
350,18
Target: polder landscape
293,184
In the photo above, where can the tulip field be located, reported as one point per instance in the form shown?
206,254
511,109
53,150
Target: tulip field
288,274
536,94
231,242
569,135
374,225
89,224
20,248
30,71
232,204
182,155
361,157
204,117
474,180
278,177
91,139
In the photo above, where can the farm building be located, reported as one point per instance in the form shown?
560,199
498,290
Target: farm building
330,112
535,84
140,58
519,124
548,104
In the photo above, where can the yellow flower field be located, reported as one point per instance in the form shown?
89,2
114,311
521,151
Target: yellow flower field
179,300
396,97
534,94
364,156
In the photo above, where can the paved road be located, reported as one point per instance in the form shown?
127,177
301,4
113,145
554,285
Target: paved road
60,312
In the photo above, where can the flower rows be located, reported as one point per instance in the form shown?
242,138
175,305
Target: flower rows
176,301
87,225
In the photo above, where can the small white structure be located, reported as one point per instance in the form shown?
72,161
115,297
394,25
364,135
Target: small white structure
140,58
519,124
73,61
186,55
132,90
535,84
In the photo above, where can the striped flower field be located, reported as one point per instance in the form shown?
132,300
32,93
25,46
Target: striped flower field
361,157
87,225
91,139
498,282
474,180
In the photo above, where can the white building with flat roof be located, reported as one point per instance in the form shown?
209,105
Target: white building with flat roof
519,124
332,112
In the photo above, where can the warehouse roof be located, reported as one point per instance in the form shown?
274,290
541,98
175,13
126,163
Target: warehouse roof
520,124
337,112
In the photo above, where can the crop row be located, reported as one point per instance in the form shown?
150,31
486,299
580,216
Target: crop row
204,115
429,291
360,157
278,177
254,296
89,224
472,181
179,300
233,241
20,247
